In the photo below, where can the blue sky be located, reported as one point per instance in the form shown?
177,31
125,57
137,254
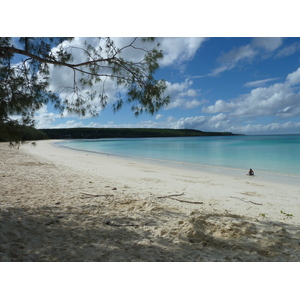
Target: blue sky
242,85
225,81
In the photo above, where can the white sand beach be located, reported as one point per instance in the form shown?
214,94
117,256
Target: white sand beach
63,205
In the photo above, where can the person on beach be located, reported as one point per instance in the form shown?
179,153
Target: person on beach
251,172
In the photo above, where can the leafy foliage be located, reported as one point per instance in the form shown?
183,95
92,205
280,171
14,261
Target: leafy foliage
16,133
24,86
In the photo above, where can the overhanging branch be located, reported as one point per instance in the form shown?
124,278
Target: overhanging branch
49,61
75,67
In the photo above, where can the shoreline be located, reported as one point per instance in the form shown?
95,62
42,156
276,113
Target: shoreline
81,206
281,178
279,164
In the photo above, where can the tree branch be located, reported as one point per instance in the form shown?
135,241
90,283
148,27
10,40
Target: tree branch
246,200
176,195
53,62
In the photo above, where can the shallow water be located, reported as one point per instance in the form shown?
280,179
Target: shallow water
276,154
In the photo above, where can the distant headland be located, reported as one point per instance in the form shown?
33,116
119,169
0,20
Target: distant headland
101,133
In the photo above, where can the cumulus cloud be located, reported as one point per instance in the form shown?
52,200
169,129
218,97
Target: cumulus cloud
279,99
182,95
158,116
223,123
44,118
205,123
70,124
219,106
274,127
293,78
276,102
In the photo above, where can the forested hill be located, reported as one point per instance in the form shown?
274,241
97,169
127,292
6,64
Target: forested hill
98,133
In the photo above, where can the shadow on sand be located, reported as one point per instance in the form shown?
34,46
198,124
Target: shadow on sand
51,234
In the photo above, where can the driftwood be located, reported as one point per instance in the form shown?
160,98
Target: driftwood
192,202
95,195
246,201
177,195
168,196
110,223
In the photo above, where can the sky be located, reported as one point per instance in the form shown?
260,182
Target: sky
228,66
233,84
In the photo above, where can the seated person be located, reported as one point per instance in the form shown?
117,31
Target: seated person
251,172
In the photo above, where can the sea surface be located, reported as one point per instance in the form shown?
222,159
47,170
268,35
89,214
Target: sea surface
273,154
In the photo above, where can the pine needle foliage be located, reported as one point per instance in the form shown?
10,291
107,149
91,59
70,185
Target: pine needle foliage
24,85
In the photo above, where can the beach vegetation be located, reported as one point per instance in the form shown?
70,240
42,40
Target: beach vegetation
100,133
16,133
286,214
25,77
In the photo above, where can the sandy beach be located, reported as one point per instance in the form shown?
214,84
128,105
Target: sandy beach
58,204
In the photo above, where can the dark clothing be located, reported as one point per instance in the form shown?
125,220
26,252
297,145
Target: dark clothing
251,172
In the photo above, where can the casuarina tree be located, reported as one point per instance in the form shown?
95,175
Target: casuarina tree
93,67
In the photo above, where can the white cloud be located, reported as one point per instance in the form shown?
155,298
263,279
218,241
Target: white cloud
192,104
223,123
294,78
271,128
219,106
246,54
183,103
231,59
289,112
174,88
177,50
203,123
267,43
234,56
258,83
191,93
171,119
182,95
289,50
43,118
263,101
69,124
220,70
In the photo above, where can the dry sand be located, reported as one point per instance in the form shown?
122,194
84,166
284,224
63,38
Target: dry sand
64,205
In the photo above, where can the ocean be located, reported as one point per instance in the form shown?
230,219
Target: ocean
273,154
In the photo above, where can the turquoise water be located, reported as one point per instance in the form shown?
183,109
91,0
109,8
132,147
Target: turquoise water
273,154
